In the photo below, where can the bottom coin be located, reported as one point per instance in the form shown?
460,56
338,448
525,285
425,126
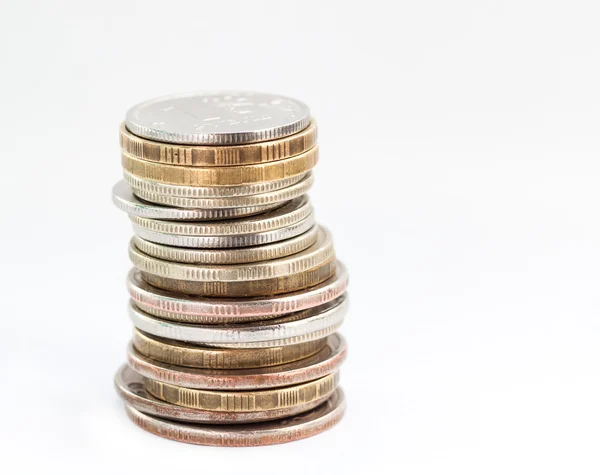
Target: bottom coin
289,429
131,388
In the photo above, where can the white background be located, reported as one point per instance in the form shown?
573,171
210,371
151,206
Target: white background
459,173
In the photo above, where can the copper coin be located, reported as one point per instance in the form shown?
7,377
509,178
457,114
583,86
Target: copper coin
326,361
280,431
181,353
131,388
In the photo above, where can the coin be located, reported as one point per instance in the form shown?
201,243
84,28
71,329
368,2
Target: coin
221,118
308,424
262,199
246,288
190,309
320,364
209,191
223,241
131,388
307,325
242,255
186,354
243,401
221,176
316,255
126,201
202,156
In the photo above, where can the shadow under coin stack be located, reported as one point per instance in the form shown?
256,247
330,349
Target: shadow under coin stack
236,295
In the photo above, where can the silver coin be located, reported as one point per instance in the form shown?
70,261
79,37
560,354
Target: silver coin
240,240
190,309
268,198
304,425
222,118
306,325
126,201
229,256
131,387
182,191
320,252
324,362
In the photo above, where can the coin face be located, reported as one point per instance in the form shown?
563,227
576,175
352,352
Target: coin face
224,118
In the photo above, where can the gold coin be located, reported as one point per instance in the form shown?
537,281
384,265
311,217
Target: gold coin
195,356
250,288
221,176
221,156
243,401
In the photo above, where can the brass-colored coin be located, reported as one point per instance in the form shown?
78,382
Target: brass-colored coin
320,252
242,255
195,356
221,156
243,401
221,176
250,288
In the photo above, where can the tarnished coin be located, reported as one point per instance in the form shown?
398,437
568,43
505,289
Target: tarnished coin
131,388
326,361
243,401
203,156
150,186
221,176
316,255
242,255
195,356
222,118
190,309
262,199
125,200
310,423
247,288
306,325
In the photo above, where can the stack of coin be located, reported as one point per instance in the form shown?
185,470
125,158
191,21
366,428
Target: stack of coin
236,294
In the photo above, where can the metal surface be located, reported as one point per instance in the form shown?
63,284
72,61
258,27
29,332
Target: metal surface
306,325
131,388
243,401
242,255
316,255
126,201
209,191
190,309
308,424
206,156
222,118
196,356
322,363
221,176
271,197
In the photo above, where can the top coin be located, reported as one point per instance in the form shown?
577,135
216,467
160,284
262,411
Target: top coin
223,118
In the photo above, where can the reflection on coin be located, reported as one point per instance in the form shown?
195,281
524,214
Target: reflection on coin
314,367
222,118
203,156
190,309
262,199
150,186
195,356
131,388
242,255
318,420
307,325
243,401
125,200
319,253
221,176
